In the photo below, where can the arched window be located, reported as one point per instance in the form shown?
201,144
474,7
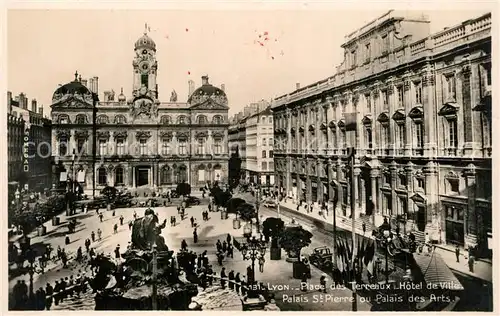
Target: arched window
263,119
166,175
166,119
63,147
102,119
182,174
217,119
119,176
81,119
120,119
63,119
182,120
101,176
202,119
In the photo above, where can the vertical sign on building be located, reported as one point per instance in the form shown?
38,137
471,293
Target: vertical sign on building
26,144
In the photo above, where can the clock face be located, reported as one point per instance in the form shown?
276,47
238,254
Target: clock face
144,67
144,52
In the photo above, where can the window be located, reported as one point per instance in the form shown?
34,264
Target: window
421,184
401,135
400,96
143,147
120,119
452,133
166,120
217,119
202,119
387,179
120,147
80,143
368,103
166,175
449,89
101,176
270,154
264,165
119,176
419,135
453,185
80,119
402,180
385,44
263,119
102,147
165,147
385,99
418,92
182,119
264,142
342,139
200,150
271,119
270,141
63,119
368,137
385,135
182,147
354,58
217,146
368,52
144,80
263,154
63,148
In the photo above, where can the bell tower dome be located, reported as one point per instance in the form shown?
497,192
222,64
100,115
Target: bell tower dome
145,67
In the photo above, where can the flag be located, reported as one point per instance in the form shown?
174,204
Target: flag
361,250
370,252
369,267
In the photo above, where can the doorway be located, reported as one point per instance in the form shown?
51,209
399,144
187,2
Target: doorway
421,220
142,176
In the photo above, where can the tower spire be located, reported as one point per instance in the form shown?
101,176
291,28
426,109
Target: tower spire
76,75
145,28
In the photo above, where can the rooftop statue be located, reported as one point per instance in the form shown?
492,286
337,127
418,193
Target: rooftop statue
173,97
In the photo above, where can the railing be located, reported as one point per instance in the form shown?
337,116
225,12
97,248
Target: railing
417,47
449,35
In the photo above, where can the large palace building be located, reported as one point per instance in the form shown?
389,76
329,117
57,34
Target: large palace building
422,107
140,141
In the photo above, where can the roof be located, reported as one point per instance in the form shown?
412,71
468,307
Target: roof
435,271
145,42
72,87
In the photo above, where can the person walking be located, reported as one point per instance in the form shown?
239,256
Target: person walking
192,221
87,244
224,246
66,240
92,235
130,224
230,251
195,236
237,281
457,253
121,220
99,234
223,277
261,263
322,282
101,217
228,239
49,291
184,245
231,279
117,252
115,229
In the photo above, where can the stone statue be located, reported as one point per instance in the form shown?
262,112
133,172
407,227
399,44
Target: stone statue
173,97
112,95
146,232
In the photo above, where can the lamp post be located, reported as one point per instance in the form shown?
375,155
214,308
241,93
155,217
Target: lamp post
32,270
253,250
154,301
257,204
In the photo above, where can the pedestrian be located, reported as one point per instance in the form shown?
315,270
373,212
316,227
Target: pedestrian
66,240
224,246
114,213
231,279
92,235
92,252
195,236
130,224
121,220
99,234
298,205
184,245
228,239
100,217
117,252
64,259
87,244
303,282
230,250
49,291
135,215
223,278
237,281
322,282
210,207
79,255
457,253
364,228
59,252
220,257
219,245
261,263
192,221
115,229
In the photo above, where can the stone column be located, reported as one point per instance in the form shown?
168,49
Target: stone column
408,121
330,180
411,208
133,176
392,124
467,111
394,182
470,217
362,203
428,98
299,188
340,188
431,190
374,174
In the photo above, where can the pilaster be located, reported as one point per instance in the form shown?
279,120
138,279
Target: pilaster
394,182
471,230
431,189
429,100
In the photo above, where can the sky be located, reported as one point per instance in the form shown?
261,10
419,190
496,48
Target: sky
46,47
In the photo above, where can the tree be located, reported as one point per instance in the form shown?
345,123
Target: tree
272,228
183,189
232,204
110,193
293,239
246,212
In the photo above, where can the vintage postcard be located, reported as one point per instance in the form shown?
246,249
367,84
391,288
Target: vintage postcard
253,159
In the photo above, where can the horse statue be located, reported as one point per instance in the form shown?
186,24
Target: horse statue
146,232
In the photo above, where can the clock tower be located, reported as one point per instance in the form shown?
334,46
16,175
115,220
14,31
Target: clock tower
145,67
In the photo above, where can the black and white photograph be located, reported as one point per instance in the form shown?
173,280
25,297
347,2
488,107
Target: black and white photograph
223,158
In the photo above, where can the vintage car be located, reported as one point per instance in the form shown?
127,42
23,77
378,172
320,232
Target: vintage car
270,204
321,258
191,200
98,202
123,200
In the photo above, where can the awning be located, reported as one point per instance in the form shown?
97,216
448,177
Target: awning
435,271
63,176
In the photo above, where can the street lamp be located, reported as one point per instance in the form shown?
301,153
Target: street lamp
32,270
252,250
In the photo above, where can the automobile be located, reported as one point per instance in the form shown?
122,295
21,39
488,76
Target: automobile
98,202
153,202
191,200
321,257
124,200
270,204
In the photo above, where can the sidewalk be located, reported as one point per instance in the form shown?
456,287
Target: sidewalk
482,269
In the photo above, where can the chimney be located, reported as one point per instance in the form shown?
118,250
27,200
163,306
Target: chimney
223,87
9,98
297,86
96,85
204,80
40,110
191,87
33,106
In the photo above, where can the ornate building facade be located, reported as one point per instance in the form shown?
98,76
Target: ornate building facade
140,141
422,107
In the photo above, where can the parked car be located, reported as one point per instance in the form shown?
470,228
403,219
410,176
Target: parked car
191,200
98,202
270,204
321,258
